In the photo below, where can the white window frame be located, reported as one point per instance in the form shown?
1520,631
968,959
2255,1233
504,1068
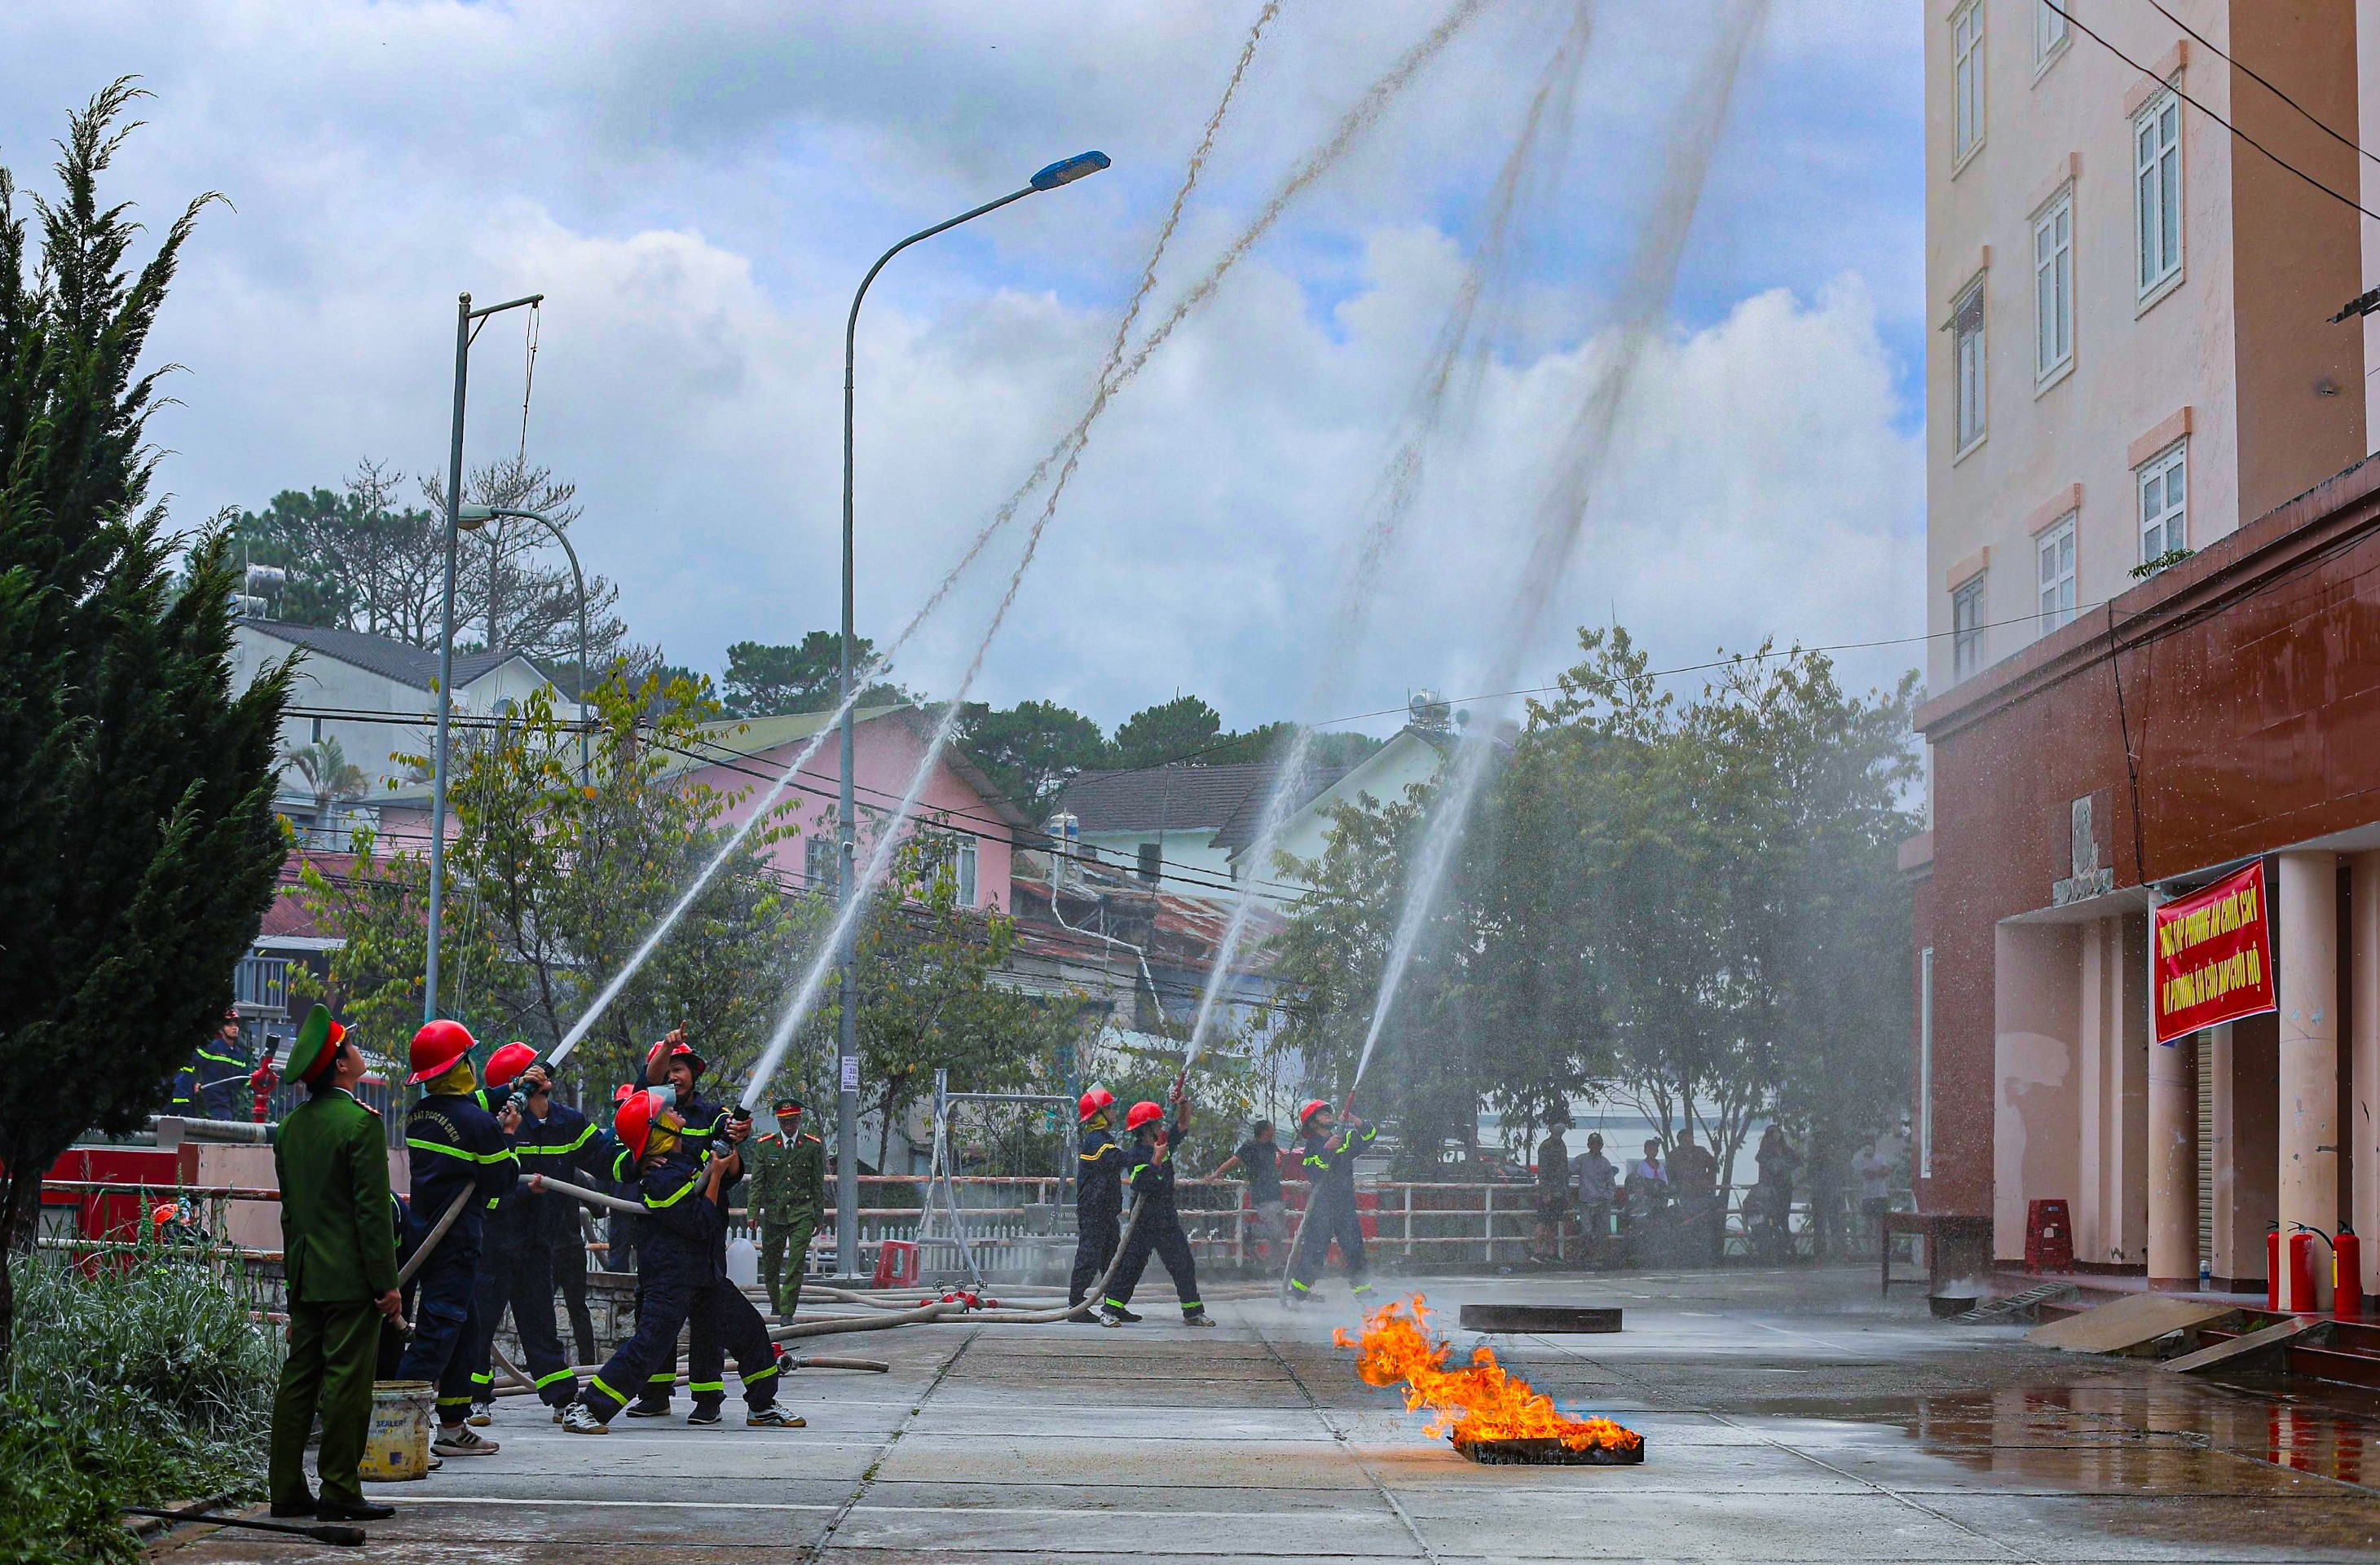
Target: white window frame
2054,573
1968,103
2052,289
2171,521
1970,370
2051,33
2157,217
967,864
1967,638
815,850
1926,1063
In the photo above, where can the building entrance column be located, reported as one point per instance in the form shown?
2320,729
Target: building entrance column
2173,1163
2362,1125
2308,964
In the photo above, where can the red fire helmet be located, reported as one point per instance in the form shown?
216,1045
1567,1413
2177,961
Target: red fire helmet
679,1051
623,1092
634,1123
1313,1106
506,1064
436,1047
1142,1113
1092,1101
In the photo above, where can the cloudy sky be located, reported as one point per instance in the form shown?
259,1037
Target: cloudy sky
696,187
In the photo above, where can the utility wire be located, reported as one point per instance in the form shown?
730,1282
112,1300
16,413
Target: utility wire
2252,74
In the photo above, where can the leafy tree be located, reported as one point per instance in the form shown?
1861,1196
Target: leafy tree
1160,734
138,843
1030,749
553,886
765,680
330,776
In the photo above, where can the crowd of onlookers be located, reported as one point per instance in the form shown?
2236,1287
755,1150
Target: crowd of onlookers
1670,1209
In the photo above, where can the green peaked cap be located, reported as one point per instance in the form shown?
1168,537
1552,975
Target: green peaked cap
311,1044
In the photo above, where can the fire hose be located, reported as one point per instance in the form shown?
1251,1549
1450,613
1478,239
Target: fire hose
924,1315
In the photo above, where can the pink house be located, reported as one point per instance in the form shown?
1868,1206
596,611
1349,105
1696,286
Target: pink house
888,744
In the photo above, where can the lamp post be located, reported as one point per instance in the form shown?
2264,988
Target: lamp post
846,1157
466,325
472,519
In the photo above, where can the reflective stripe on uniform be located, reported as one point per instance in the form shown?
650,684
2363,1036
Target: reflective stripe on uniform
545,1380
651,1204
480,1379
505,1156
758,1374
665,1377
597,1381
698,1386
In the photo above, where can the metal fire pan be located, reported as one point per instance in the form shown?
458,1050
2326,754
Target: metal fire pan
1561,1319
1549,1453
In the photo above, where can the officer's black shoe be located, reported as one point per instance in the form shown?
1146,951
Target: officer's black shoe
339,1511
296,1508
702,1414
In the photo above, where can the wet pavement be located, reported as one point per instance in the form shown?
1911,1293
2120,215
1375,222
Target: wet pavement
1787,1416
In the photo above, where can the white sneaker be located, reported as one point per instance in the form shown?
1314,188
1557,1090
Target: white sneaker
463,1440
774,1418
482,1415
578,1419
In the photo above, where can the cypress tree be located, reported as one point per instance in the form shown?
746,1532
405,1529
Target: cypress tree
137,840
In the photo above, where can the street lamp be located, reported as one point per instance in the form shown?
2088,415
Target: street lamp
1065,171
471,520
466,326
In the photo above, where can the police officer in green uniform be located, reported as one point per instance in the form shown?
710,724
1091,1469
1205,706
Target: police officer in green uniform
332,1159
787,1197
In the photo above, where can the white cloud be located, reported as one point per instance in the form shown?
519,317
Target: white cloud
695,188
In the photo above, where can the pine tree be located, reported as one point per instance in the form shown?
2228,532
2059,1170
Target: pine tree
137,840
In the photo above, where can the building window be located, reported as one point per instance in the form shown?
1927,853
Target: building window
2156,182
1926,1063
2051,33
1152,861
817,863
1967,351
965,862
1967,71
2165,503
2053,286
2055,551
1967,628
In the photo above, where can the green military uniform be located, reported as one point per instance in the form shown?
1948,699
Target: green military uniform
339,1255
786,1196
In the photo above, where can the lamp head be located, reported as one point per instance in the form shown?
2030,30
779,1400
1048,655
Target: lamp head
1065,171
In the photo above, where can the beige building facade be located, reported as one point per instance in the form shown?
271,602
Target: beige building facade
2134,350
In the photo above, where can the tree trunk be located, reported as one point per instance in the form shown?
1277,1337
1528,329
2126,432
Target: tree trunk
17,1226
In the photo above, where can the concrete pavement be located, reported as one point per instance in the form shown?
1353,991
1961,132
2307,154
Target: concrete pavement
1787,1416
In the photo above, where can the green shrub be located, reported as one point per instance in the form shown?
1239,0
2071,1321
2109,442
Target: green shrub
144,1384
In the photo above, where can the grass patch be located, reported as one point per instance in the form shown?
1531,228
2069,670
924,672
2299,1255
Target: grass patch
144,1384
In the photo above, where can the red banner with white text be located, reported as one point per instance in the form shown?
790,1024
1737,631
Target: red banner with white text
2213,955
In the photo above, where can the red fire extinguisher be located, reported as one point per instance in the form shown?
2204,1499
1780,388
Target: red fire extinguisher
2302,1294
2272,1267
2347,1275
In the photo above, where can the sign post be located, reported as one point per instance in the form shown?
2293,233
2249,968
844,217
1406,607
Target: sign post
2210,956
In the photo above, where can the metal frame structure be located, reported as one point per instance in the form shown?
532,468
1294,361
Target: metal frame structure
940,1174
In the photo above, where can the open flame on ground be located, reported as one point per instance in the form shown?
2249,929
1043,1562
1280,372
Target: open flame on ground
1489,1413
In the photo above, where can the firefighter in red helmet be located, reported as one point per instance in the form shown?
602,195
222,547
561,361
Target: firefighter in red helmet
1098,1197
1329,1151
453,1147
1158,1230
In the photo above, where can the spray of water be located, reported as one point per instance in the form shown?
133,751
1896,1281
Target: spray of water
1070,444
1350,129
1560,518
1458,359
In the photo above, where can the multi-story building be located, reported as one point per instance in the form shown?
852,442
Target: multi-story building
2149,568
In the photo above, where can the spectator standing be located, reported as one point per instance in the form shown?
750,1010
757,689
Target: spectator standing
1873,1170
1260,1157
1553,1189
1597,1180
332,1159
1693,1176
1772,1203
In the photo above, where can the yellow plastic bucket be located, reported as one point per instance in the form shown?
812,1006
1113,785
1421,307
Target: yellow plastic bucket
398,1444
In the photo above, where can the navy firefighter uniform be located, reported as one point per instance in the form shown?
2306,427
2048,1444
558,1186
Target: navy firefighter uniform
1329,1162
678,1274
516,1261
454,1146
1098,1195
1158,1230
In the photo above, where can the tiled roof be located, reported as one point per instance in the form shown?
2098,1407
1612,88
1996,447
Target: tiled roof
1178,797
390,659
1240,831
